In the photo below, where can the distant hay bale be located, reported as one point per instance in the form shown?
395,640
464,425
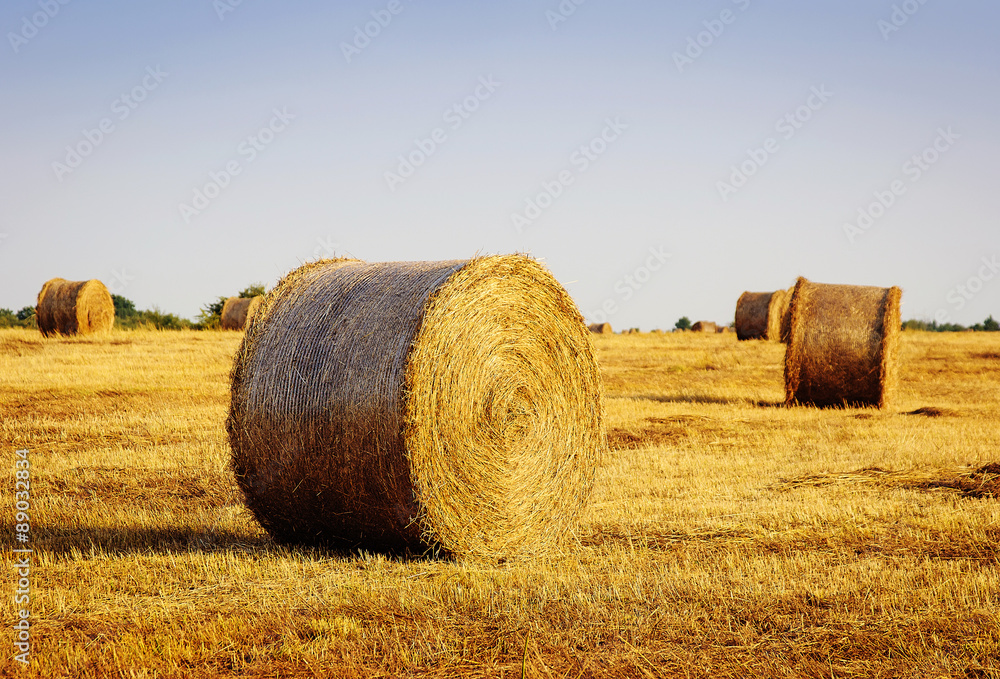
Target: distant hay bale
786,316
758,315
703,326
74,308
722,329
600,328
843,345
237,310
447,407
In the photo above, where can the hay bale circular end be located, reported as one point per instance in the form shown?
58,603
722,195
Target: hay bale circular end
601,328
843,345
451,407
237,311
704,326
74,308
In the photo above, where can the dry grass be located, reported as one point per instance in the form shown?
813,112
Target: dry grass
729,536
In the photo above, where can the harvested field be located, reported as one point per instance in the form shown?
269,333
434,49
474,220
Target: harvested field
728,535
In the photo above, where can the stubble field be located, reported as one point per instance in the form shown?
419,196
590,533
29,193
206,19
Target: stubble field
728,536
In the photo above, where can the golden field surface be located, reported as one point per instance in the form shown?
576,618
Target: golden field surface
728,536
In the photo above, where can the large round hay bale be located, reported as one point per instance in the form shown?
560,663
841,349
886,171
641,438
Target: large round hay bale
843,345
74,308
758,315
451,407
601,328
237,310
704,326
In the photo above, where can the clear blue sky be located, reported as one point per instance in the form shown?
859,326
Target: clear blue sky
289,120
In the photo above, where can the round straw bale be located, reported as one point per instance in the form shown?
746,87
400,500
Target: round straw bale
74,308
758,315
450,407
704,326
237,310
843,345
601,328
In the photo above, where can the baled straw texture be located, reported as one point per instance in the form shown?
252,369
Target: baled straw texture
74,308
704,326
843,346
758,315
601,328
237,310
451,407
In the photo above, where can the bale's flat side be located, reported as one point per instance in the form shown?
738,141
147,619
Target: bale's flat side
235,312
796,338
704,326
401,406
74,308
252,309
892,326
752,315
843,345
519,441
786,316
775,310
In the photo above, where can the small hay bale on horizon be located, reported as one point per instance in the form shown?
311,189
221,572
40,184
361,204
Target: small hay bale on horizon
758,315
843,347
704,326
237,311
74,308
425,407
600,328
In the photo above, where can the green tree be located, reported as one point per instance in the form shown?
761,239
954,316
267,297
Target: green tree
210,315
26,313
990,324
8,319
683,323
124,308
252,290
